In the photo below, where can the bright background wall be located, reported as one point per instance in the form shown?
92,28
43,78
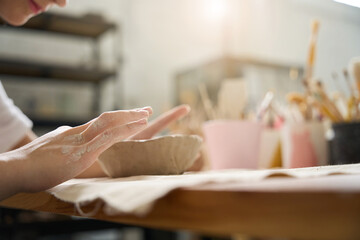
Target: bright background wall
159,38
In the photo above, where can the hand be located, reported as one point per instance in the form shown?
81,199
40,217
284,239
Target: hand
161,122
153,128
66,152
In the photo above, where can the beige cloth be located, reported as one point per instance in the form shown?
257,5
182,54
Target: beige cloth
136,195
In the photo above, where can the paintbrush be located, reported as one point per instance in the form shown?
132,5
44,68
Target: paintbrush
300,101
295,97
342,104
348,82
355,67
312,49
265,105
326,102
353,101
335,77
322,109
308,92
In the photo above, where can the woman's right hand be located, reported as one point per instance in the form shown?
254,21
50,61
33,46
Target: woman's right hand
150,131
65,152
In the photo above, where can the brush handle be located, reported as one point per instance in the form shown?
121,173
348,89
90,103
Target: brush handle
312,49
356,73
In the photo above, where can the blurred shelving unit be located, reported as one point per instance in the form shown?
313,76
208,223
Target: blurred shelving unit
90,25
89,28
260,76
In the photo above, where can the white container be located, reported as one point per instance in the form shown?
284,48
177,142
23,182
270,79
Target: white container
303,145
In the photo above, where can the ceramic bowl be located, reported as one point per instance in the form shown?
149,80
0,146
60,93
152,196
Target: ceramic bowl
166,155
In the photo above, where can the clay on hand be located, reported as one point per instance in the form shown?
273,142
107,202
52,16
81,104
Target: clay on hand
65,152
149,132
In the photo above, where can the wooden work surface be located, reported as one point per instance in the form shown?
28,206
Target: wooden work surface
316,208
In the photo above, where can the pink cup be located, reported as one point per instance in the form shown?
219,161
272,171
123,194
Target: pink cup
233,144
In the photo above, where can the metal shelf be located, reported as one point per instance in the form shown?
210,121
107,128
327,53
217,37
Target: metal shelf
53,122
44,70
91,26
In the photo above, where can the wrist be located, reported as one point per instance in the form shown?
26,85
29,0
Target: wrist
11,174
29,137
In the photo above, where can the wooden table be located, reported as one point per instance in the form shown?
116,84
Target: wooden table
317,208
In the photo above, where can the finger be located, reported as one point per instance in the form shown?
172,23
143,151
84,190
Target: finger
83,156
111,120
162,122
149,109
117,115
107,120
111,136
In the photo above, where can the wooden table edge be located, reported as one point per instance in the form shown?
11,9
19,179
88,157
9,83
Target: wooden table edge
300,215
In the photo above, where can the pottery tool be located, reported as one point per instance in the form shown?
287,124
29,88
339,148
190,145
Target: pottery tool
265,105
270,113
312,49
209,109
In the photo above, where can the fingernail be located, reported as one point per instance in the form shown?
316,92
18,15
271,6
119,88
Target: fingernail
148,109
143,112
188,108
142,121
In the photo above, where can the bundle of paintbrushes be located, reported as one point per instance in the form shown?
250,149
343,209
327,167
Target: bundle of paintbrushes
317,104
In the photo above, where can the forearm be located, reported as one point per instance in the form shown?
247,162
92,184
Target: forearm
10,175
94,171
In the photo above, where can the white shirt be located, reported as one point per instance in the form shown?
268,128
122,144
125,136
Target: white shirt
13,123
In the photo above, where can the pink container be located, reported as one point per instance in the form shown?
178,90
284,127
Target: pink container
232,144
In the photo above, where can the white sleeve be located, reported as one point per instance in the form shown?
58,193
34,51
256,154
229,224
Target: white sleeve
13,123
